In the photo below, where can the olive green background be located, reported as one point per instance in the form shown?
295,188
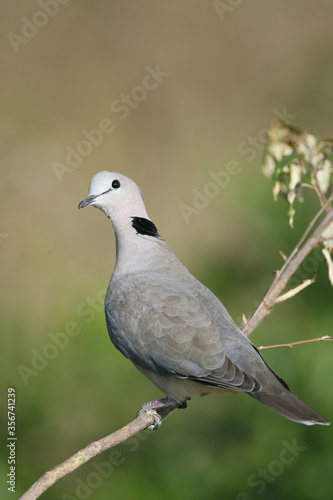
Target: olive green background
228,71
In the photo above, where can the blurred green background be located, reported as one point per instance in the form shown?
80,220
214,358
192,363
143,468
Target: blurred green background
228,69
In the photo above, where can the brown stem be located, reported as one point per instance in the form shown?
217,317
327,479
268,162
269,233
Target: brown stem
287,270
325,338
90,451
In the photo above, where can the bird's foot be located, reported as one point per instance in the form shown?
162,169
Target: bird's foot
160,408
157,419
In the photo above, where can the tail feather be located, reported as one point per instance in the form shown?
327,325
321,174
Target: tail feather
290,407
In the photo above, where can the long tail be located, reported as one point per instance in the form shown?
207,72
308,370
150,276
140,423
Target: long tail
289,406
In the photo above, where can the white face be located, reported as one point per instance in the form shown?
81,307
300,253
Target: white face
115,194
102,181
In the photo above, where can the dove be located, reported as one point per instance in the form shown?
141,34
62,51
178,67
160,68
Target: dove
172,328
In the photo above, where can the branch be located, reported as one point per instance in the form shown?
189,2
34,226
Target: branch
292,263
90,451
295,291
325,338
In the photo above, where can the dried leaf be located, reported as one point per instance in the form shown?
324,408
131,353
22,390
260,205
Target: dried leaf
327,236
291,212
295,159
324,175
286,161
328,259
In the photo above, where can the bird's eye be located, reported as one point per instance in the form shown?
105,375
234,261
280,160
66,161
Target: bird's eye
115,184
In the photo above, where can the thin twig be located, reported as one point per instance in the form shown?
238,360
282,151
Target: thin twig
310,227
90,451
294,291
325,338
288,269
284,257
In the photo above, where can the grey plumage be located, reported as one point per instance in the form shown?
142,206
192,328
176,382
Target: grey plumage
173,328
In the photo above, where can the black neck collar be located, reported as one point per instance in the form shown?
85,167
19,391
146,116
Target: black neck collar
145,227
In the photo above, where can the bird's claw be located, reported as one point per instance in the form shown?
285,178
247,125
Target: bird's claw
157,421
157,418
164,407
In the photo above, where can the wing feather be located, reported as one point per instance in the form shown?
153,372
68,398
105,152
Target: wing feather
179,328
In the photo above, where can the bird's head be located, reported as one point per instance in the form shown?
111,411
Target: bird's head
116,195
